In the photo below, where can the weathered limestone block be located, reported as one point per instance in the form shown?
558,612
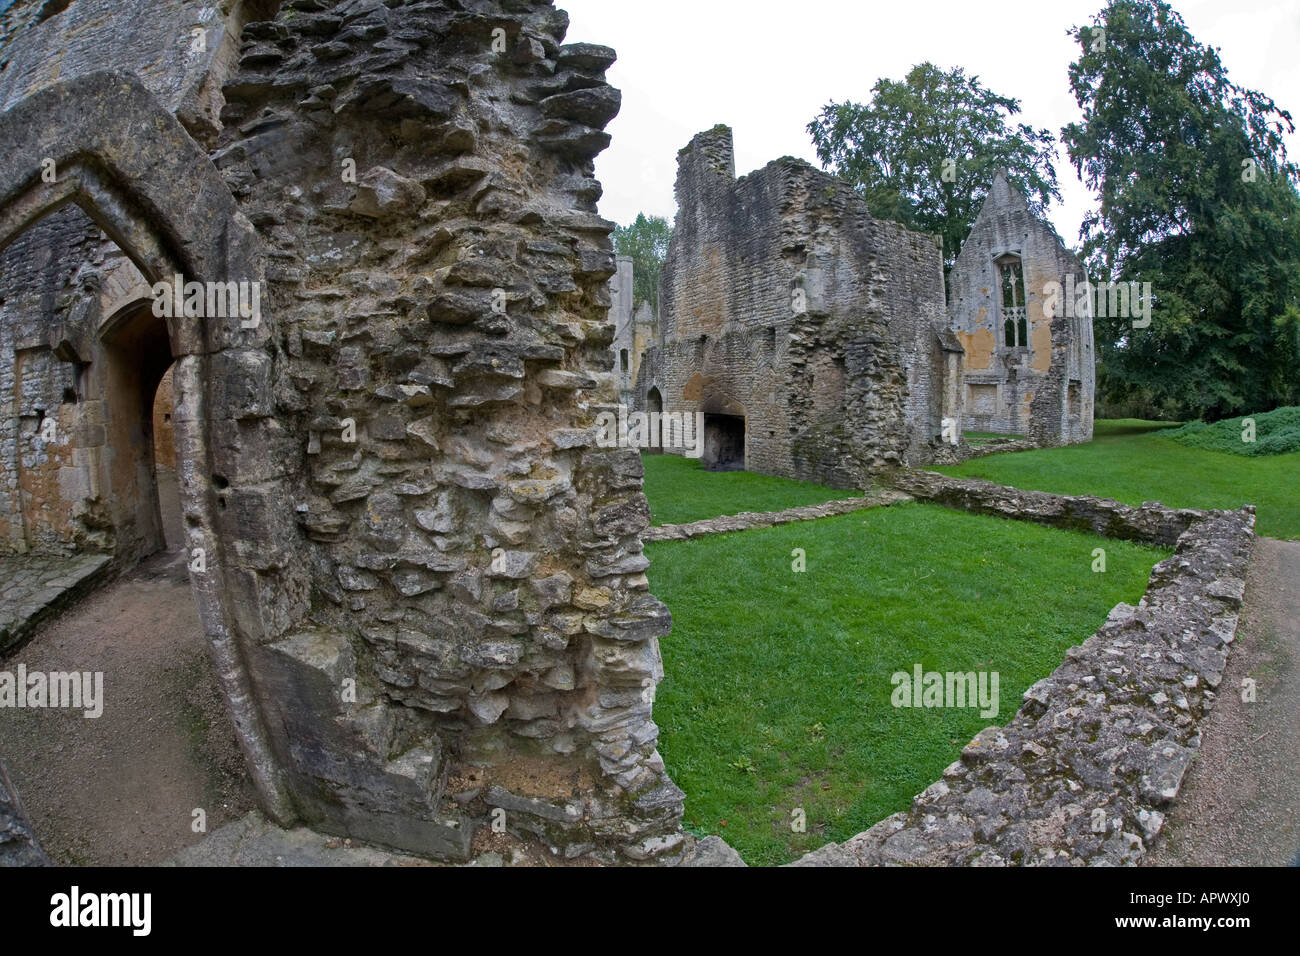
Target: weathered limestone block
358,772
712,851
383,193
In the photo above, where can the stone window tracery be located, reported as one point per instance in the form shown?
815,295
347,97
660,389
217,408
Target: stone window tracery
1011,302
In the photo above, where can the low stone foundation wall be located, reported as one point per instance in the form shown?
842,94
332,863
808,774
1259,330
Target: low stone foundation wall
748,520
1085,771
983,450
1152,523
945,453
1082,775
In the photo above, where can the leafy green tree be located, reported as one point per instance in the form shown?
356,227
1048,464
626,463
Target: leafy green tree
1197,198
925,151
646,241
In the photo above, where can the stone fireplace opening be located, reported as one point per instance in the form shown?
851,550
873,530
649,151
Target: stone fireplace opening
724,442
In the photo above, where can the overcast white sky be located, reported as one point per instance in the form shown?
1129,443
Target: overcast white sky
766,68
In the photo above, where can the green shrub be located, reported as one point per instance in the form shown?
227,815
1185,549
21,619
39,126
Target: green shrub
1276,433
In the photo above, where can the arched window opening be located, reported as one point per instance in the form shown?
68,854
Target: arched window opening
1011,301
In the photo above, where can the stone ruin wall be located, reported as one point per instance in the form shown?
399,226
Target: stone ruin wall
1046,394
35,271
471,560
181,50
59,282
622,294
486,555
847,387
635,330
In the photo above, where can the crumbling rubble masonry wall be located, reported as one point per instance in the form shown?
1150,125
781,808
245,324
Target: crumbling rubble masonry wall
425,583
1085,772
783,301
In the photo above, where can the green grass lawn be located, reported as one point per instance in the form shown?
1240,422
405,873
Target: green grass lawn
1131,461
777,692
680,491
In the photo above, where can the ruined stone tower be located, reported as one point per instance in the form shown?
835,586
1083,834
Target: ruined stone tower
420,579
809,333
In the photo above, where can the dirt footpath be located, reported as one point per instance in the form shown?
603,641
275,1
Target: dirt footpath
1240,805
123,789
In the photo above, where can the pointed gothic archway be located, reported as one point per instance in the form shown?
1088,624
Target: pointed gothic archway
104,143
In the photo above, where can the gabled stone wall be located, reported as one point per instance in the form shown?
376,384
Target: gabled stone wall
1044,391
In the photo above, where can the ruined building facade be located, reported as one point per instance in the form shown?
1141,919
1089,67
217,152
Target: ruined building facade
808,333
422,581
818,341
1030,366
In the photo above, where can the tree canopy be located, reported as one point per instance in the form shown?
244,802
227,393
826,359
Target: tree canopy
925,151
1197,198
646,241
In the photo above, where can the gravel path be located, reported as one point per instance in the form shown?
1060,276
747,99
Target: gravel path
1240,805
122,789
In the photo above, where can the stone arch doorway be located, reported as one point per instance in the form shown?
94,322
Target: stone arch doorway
136,359
654,404
104,143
